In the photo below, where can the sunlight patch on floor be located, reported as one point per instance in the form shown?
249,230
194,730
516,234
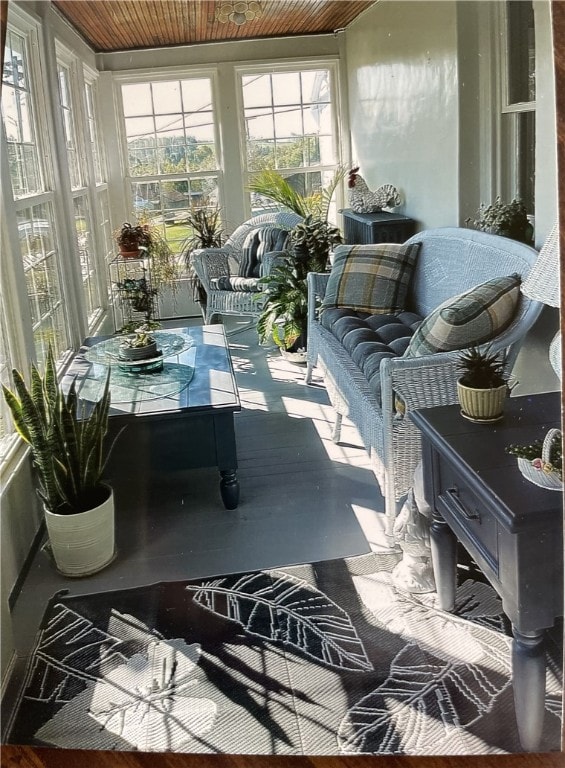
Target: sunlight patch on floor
373,524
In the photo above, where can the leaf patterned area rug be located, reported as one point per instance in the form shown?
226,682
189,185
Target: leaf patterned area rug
324,658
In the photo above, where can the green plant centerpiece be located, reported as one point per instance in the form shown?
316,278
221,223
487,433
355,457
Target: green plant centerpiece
483,384
284,316
69,453
505,219
142,345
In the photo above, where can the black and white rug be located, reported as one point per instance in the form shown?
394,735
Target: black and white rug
323,658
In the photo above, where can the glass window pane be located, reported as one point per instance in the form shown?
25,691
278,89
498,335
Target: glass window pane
316,86
143,162
196,94
521,51
86,255
166,98
260,155
288,122
137,99
38,246
259,124
286,88
199,126
140,129
201,157
257,91
14,70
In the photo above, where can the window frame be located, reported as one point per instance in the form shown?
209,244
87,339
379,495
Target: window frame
508,166
332,64
165,75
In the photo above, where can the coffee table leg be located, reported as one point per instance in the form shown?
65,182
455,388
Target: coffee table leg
229,488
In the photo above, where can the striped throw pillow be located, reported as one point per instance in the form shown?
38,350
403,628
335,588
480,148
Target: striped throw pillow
473,317
371,278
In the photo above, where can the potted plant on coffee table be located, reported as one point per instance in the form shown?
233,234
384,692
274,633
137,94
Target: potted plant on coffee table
69,455
483,385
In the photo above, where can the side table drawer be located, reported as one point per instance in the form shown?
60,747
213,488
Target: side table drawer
473,523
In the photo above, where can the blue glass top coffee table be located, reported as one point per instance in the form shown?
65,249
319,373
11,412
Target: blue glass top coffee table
190,401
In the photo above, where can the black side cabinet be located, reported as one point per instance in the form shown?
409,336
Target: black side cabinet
512,528
382,227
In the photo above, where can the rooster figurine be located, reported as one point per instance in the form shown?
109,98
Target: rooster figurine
362,200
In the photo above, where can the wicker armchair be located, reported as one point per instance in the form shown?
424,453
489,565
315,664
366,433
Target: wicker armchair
450,261
212,263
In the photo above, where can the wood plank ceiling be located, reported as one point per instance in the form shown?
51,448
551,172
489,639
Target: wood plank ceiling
121,25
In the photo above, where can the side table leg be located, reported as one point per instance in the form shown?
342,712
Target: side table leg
229,488
528,678
443,544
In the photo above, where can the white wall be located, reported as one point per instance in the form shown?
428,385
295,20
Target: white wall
403,104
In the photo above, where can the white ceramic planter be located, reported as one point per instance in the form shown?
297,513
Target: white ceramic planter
82,543
482,404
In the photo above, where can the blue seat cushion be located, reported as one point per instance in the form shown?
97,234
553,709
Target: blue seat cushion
227,283
369,339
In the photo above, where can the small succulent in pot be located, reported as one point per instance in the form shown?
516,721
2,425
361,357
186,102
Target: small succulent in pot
482,369
141,338
483,384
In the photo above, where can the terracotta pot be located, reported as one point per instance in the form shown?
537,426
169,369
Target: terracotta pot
482,404
83,543
129,254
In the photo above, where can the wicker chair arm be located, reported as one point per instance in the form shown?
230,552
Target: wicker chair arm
209,263
420,382
317,284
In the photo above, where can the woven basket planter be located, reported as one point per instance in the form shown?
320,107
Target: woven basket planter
482,404
536,471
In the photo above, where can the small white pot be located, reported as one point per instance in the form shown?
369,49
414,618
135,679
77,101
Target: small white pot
83,543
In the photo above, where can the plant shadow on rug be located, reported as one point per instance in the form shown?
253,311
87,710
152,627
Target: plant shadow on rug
322,658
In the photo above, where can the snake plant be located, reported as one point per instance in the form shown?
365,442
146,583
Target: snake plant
67,443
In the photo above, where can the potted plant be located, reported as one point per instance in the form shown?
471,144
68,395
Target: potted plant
141,346
131,238
68,452
205,223
285,311
505,219
312,240
483,384
284,314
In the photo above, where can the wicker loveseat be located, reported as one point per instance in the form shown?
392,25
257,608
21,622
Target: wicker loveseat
216,266
449,261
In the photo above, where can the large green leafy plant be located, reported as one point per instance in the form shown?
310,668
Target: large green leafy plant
285,311
207,231
67,444
270,184
284,317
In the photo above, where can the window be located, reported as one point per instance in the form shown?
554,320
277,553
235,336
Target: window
290,127
172,155
33,198
518,130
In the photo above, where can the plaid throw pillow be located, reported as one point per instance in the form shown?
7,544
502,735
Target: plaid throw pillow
371,278
471,318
